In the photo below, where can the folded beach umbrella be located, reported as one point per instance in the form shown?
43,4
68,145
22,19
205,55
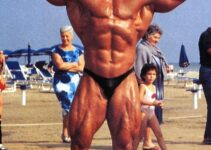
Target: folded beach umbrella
48,50
7,52
183,59
29,52
43,51
18,53
24,52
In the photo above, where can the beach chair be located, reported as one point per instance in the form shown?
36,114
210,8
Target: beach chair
15,71
170,77
33,75
46,77
15,74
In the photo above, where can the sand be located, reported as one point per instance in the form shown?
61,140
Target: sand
37,126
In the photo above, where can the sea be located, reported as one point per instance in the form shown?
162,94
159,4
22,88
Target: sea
193,67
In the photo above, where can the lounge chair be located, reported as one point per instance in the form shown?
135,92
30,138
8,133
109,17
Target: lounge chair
45,75
15,75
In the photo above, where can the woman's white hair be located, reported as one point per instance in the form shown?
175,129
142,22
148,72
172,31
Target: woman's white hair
66,28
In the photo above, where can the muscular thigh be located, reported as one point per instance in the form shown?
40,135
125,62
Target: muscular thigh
124,106
88,109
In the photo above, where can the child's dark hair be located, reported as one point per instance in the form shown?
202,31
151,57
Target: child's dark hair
146,68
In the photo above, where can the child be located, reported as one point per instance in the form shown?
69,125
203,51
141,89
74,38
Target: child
148,103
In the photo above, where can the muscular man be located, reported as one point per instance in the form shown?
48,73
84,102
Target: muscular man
109,31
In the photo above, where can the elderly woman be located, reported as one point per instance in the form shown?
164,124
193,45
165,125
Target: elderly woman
68,63
147,52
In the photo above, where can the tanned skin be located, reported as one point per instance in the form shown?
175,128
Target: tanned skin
109,31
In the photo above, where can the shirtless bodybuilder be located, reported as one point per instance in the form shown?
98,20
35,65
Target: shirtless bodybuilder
109,31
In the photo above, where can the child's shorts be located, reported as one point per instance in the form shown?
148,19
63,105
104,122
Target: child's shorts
148,111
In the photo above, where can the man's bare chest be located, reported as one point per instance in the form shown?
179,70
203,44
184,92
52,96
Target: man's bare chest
111,8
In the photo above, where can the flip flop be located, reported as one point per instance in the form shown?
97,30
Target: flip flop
151,148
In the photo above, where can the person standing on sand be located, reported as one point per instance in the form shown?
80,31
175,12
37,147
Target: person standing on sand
2,87
149,101
205,77
68,62
147,52
108,90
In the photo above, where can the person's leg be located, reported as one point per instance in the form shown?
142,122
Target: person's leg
147,143
65,134
65,105
1,110
87,113
1,105
207,89
159,83
154,124
65,97
65,125
124,115
148,138
143,128
205,78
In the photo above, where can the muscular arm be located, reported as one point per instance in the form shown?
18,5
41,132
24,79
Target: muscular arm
58,2
165,5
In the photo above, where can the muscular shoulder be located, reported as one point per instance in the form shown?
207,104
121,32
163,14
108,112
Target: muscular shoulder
164,5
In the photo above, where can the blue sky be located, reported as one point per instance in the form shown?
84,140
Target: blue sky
37,22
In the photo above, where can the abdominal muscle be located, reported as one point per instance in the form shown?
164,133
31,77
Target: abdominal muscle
109,49
109,37
101,63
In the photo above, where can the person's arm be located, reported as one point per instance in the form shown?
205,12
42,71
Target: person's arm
61,65
80,66
142,57
58,2
167,66
207,44
165,5
209,51
205,41
2,69
146,102
142,93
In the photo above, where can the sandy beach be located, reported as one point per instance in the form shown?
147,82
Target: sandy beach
37,126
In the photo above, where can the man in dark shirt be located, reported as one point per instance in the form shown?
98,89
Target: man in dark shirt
205,77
